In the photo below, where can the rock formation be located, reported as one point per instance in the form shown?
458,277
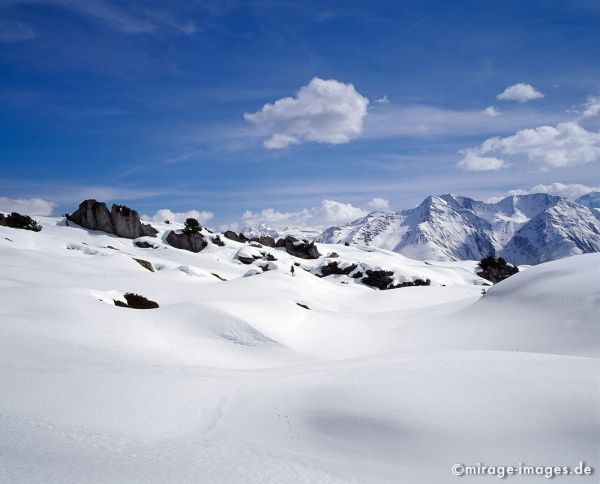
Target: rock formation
191,242
299,248
121,221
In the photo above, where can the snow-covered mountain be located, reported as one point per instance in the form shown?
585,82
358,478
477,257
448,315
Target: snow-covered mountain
263,229
590,200
526,229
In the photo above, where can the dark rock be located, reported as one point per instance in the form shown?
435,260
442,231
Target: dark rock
111,247
231,235
256,244
496,269
145,264
191,242
378,278
382,279
304,306
218,276
218,241
334,269
270,257
347,244
121,220
357,275
265,240
136,301
142,244
333,255
299,248
247,260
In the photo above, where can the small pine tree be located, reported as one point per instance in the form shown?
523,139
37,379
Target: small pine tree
192,226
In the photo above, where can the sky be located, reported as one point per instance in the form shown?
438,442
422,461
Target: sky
294,112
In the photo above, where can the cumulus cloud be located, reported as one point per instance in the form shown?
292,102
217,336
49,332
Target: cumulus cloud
28,206
379,204
591,107
520,92
324,111
566,144
166,214
472,161
567,190
491,111
328,212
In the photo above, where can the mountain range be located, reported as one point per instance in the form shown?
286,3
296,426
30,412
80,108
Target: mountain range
525,229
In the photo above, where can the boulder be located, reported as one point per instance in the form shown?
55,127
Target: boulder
333,268
191,242
382,279
266,240
299,248
142,244
121,221
231,235
145,264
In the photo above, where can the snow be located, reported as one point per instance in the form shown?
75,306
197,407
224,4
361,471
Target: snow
234,382
525,229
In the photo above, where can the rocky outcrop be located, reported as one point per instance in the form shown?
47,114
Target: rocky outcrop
496,269
299,248
191,242
382,279
142,244
265,240
145,264
120,221
333,268
231,235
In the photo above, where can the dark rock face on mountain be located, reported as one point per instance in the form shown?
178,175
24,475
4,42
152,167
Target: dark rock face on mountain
191,242
266,240
334,269
299,248
121,221
231,235
496,269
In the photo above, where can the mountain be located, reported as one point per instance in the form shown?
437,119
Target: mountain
526,229
263,229
590,200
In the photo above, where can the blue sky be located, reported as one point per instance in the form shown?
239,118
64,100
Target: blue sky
144,103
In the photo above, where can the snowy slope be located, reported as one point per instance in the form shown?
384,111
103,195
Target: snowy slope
234,382
452,227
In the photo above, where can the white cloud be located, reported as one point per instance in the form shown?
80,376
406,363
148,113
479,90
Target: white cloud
327,213
472,161
166,214
491,111
567,144
324,111
567,190
26,206
382,100
591,107
379,204
520,92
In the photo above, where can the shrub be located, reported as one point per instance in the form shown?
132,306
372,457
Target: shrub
191,226
18,221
